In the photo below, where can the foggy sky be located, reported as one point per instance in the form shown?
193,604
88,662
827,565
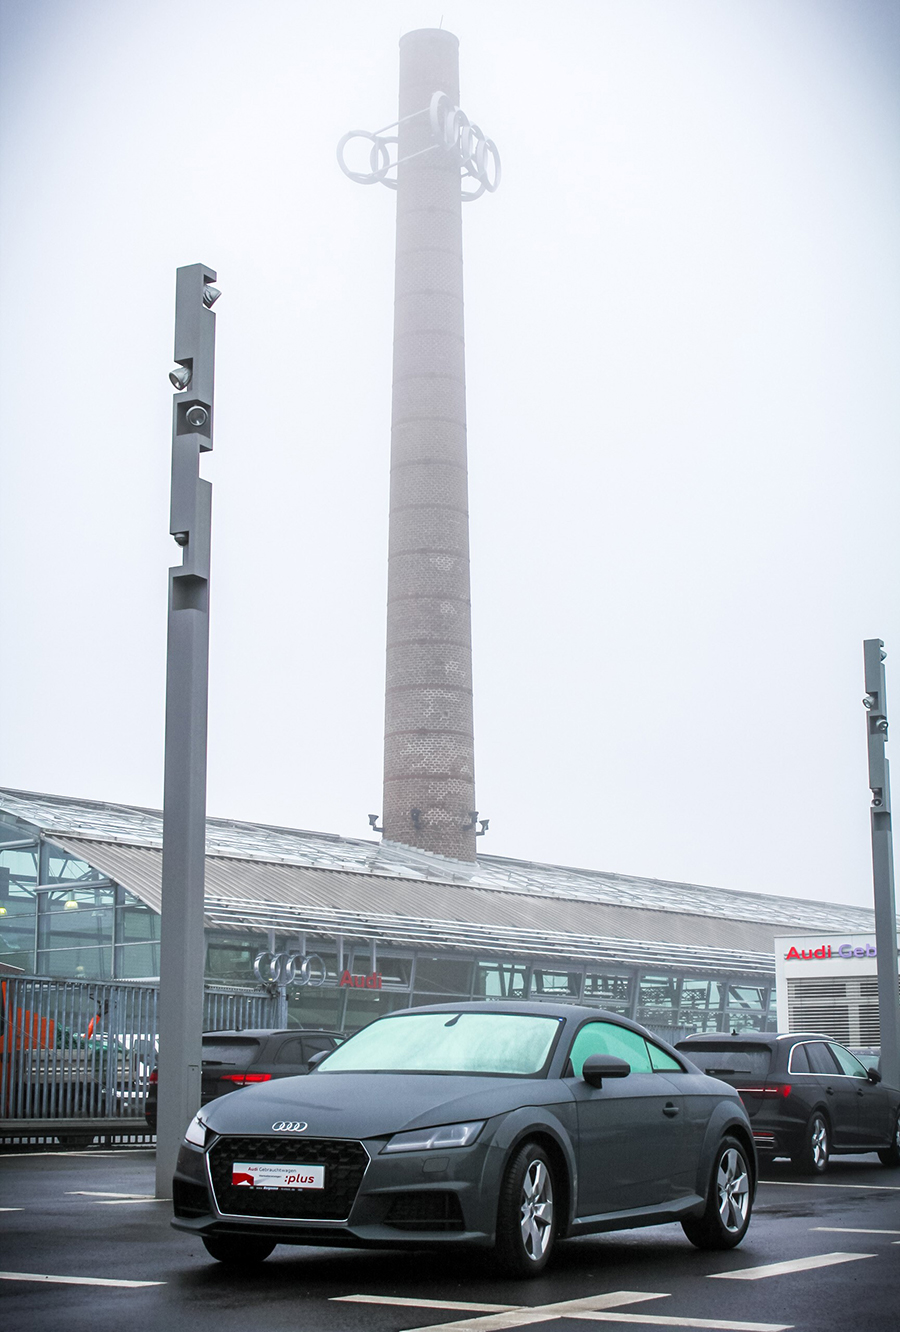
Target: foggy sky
682,352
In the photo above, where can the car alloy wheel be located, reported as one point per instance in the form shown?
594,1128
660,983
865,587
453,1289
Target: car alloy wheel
526,1219
537,1210
733,1185
813,1159
729,1201
891,1155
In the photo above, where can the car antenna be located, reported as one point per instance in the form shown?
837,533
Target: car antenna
453,1021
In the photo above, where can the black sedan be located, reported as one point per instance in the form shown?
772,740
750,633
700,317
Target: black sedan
807,1097
233,1059
501,1125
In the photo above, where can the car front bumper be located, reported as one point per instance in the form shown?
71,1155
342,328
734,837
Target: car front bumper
404,1199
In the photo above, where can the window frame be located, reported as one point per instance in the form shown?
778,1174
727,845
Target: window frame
568,1070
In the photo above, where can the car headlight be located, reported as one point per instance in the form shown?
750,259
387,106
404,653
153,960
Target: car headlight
428,1139
195,1133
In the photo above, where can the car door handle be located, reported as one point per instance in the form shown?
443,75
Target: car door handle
860,1092
830,1091
670,1109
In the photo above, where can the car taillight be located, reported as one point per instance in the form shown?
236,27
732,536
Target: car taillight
154,1076
241,1079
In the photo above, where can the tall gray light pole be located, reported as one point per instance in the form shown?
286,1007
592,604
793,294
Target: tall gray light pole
181,951
875,703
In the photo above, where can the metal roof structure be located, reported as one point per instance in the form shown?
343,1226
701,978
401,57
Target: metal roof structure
261,877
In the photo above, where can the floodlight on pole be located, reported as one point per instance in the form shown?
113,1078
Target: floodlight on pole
181,377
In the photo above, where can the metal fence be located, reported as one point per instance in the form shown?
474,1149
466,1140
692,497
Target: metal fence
85,1049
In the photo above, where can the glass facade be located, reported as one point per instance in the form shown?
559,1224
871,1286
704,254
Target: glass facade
60,917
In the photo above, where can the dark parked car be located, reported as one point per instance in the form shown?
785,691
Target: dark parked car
233,1059
807,1097
498,1124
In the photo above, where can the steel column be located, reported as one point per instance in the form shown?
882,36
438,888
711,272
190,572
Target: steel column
184,803
875,703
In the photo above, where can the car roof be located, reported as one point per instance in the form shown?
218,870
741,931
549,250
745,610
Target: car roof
259,1033
530,1007
752,1037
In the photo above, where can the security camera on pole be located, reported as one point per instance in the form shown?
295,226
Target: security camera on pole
181,953
875,703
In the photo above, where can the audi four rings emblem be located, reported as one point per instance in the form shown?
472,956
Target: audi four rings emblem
289,969
451,132
290,1126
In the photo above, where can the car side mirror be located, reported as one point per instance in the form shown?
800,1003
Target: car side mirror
873,1075
599,1066
316,1059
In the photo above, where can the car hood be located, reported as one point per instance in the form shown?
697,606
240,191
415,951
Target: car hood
371,1105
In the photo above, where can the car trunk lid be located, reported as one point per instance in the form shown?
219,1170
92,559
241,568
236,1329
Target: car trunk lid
744,1065
225,1059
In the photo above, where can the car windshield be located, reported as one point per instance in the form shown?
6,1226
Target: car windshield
717,1058
500,1043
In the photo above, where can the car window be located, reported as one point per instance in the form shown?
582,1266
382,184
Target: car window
721,1057
661,1062
290,1051
234,1051
313,1044
847,1062
820,1061
608,1038
799,1062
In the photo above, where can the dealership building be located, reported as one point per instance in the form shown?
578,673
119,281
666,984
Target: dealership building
373,926
829,983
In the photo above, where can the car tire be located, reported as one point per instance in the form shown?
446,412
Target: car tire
237,1250
729,1200
527,1221
890,1156
812,1158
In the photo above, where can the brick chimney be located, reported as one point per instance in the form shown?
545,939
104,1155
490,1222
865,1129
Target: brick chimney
429,760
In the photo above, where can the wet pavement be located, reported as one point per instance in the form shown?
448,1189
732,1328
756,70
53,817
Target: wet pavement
87,1248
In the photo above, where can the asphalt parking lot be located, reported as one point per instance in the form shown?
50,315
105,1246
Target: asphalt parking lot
86,1247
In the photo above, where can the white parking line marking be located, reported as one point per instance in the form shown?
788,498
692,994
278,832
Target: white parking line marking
75,1281
91,1192
48,1151
792,1265
120,1202
512,1316
660,1320
854,1230
426,1304
812,1184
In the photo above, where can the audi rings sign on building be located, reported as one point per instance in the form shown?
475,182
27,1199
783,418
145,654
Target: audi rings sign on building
289,969
451,132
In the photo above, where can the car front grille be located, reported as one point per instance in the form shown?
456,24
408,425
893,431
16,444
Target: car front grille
344,1160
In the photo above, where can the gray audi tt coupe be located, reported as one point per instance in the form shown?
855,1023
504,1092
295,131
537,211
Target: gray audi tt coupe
499,1124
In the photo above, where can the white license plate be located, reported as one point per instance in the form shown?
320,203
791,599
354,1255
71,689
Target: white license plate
248,1174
